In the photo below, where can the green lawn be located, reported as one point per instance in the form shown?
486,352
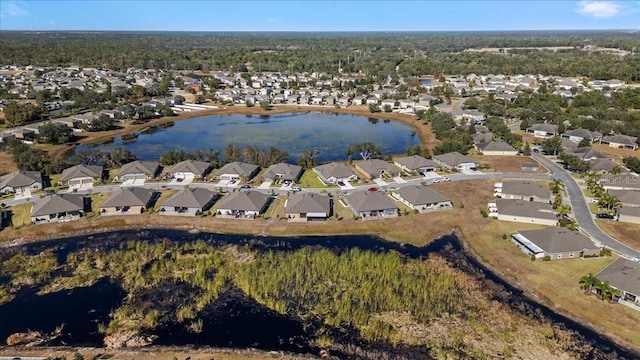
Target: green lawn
309,179
341,210
276,208
21,215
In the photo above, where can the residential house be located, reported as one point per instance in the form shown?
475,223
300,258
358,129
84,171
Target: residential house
333,173
57,208
530,212
307,206
627,198
82,177
525,190
243,205
415,163
236,171
620,141
127,201
629,215
456,161
21,183
577,135
620,182
189,202
555,242
370,205
602,166
376,168
422,198
624,275
190,169
496,147
137,172
482,137
586,153
282,172
543,130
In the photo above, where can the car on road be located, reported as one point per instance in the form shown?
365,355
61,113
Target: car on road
245,187
372,189
49,193
295,188
604,216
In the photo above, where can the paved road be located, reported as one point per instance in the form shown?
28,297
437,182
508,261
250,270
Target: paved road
578,204
581,209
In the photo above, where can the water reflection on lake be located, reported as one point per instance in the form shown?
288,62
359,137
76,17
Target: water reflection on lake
331,134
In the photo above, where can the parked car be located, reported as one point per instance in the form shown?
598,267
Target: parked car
295,188
446,178
341,183
232,181
245,187
604,216
49,193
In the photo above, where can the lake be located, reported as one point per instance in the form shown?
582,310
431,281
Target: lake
331,134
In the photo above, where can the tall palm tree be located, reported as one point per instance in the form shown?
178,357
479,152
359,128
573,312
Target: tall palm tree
588,282
556,185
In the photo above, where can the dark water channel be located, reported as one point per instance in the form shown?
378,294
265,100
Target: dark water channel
234,320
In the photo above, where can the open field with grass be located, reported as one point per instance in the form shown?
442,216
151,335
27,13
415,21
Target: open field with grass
509,164
309,179
626,233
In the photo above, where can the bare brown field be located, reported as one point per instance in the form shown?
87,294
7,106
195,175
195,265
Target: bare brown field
614,153
626,233
6,163
510,164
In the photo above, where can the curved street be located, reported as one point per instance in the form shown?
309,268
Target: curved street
578,204
581,209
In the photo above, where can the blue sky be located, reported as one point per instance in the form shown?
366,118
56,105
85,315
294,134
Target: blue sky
320,15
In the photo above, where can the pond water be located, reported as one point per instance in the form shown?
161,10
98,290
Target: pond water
235,320
331,134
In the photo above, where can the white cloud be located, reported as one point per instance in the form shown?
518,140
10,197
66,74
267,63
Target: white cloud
600,9
12,8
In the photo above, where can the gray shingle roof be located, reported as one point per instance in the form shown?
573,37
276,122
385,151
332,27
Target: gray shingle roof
586,152
57,203
421,195
249,200
139,167
377,167
605,164
305,202
334,169
584,133
190,198
525,188
192,166
454,158
621,139
622,274
363,201
415,162
557,239
525,209
284,170
495,146
79,171
627,197
134,196
236,167
550,128
20,178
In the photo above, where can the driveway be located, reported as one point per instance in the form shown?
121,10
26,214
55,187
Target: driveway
380,182
265,185
581,209
133,182
399,180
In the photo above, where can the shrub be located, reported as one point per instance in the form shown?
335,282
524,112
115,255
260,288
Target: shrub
484,213
504,236
546,258
533,257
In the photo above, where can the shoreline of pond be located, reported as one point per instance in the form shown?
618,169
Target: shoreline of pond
423,132
458,255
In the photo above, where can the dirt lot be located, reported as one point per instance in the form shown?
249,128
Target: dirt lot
614,153
510,164
6,163
628,234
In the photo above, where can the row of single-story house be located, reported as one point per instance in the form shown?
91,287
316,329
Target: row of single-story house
301,206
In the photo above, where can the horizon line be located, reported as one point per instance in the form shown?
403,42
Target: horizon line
320,31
